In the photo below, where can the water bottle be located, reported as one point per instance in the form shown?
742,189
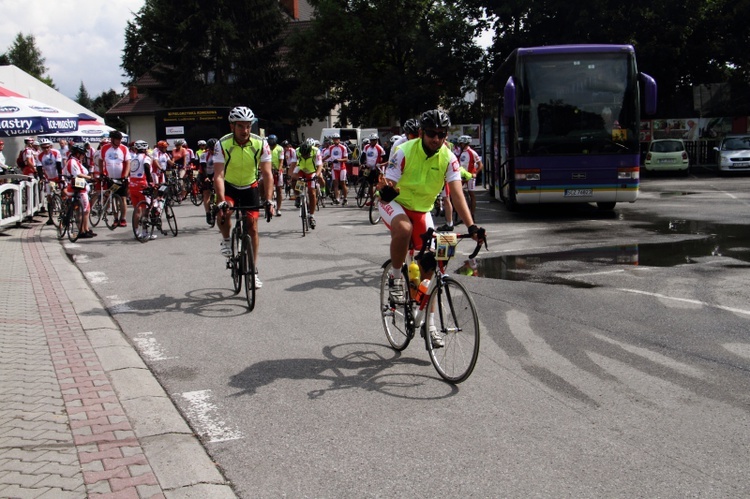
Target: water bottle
422,292
413,278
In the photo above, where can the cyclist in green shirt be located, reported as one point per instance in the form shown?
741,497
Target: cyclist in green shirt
239,158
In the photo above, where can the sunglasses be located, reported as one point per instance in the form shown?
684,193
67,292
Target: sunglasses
433,133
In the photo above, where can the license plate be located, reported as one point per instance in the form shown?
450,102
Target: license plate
574,193
741,164
666,160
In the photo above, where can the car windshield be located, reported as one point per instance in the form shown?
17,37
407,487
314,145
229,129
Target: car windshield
667,146
736,144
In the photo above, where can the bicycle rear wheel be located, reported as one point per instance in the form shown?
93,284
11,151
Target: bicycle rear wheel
74,221
397,319
248,270
457,322
171,220
234,263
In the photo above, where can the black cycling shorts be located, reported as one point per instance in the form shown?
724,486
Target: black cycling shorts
249,196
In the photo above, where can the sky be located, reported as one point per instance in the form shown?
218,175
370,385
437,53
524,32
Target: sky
81,40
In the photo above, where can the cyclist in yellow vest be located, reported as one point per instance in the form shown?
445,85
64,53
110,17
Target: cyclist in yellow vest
309,167
415,175
239,158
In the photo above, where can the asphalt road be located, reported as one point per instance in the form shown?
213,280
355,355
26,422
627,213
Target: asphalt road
615,357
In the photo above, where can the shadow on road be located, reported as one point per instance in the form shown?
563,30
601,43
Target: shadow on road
367,366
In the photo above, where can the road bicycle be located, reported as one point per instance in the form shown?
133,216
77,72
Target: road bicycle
147,214
307,220
241,263
106,203
176,192
71,214
192,186
408,308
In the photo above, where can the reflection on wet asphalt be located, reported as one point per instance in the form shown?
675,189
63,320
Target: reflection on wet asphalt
712,239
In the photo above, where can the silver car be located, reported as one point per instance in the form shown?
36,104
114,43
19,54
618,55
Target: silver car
734,153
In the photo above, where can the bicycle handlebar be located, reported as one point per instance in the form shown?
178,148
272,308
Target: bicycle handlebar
429,234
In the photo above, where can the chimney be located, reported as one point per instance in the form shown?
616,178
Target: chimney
132,93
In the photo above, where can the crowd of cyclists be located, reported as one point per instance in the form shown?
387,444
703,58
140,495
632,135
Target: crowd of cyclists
241,168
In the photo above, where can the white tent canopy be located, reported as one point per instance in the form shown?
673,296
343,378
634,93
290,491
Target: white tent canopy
88,131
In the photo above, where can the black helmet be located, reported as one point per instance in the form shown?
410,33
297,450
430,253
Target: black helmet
211,143
434,118
272,139
78,148
284,143
305,149
411,126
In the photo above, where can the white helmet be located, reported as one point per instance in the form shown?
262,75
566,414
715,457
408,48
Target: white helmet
242,114
141,145
45,142
464,139
373,136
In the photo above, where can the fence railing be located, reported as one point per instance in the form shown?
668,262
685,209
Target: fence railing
20,199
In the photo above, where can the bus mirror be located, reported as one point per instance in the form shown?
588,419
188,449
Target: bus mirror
649,93
509,99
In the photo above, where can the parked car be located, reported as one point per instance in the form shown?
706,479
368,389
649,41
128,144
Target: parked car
667,154
734,153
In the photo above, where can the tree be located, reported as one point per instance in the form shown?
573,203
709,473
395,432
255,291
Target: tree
219,53
24,54
83,97
384,60
104,102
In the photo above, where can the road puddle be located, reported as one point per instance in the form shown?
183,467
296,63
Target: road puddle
708,240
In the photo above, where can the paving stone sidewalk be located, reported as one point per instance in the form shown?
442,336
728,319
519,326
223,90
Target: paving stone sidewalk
80,413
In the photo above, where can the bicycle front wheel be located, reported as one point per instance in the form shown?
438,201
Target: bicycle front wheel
74,221
235,262
303,214
397,321
62,221
141,222
112,211
363,188
97,208
374,211
248,270
171,220
54,208
456,320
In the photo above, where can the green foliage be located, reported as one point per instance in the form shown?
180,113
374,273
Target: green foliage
83,97
104,102
213,53
24,54
383,60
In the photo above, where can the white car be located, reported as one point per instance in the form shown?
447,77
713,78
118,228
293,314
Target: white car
734,153
667,154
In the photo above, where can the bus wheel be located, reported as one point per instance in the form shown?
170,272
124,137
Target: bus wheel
606,206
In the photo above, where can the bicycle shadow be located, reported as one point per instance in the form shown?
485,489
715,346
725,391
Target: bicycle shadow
364,366
207,302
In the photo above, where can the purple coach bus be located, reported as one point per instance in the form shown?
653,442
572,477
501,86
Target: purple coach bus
569,125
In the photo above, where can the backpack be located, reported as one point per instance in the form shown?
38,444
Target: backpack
19,160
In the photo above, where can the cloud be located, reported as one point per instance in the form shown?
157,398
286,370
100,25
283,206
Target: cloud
81,40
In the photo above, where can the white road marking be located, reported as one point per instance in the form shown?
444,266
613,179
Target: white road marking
687,300
149,347
118,306
203,414
96,277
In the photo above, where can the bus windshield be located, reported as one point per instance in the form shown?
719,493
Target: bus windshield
577,104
